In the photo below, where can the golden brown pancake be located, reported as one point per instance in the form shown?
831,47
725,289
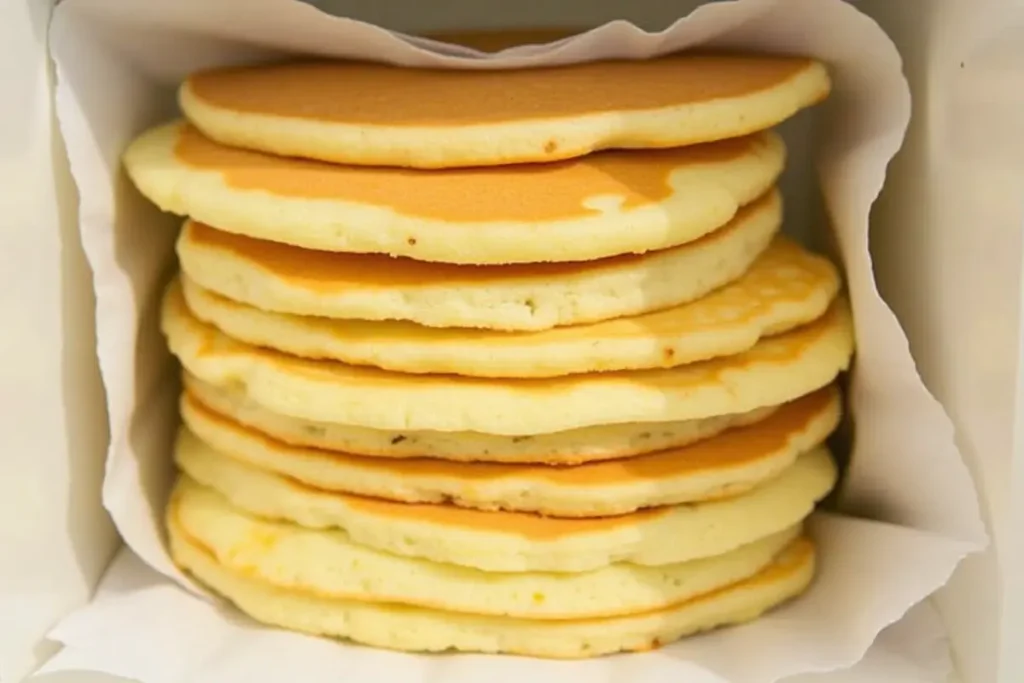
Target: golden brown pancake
571,447
362,113
524,297
776,370
330,564
785,288
496,40
575,210
519,541
404,627
726,465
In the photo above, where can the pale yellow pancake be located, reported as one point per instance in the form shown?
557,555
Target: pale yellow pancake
726,465
330,565
519,541
602,205
402,627
286,279
785,288
359,113
776,370
572,447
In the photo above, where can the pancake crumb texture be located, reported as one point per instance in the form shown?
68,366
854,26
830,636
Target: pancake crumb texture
567,212
328,563
570,447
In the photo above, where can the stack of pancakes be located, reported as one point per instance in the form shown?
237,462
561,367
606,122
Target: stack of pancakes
496,361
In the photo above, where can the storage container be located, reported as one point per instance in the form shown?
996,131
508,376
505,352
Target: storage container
945,242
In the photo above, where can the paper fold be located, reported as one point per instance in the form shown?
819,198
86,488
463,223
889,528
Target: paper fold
115,635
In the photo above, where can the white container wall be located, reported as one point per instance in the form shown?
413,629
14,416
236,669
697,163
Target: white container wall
948,252
51,399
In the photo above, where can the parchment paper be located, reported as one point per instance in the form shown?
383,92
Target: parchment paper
117,64
914,650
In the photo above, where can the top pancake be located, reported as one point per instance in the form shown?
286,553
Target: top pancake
373,114
602,205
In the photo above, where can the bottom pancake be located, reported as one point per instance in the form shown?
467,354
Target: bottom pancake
418,629
329,564
515,541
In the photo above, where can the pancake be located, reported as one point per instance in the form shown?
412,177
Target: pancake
572,447
330,565
601,205
726,465
418,629
776,370
360,113
785,288
276,277
518,541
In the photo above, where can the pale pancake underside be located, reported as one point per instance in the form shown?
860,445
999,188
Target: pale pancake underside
699,198
785,288
286,279
418,629
517,542
572,447
776,370
726,465
329,564
222,105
